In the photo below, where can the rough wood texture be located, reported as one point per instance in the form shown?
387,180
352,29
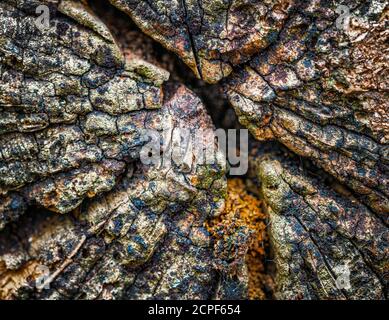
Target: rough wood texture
210,36
321,233
72,117
311,81
82,215
323,93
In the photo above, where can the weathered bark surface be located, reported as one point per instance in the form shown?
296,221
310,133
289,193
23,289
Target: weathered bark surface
210,36
144,239
73,108
323,93
68,98
313,82
81,214
327,244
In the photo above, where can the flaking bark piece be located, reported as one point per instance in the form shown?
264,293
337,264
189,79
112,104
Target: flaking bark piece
210,36
327,244
72,107
323,92
144,239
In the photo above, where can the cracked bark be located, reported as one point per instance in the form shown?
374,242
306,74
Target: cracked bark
137,231
318,230
292,75
318,91
210,36
75,100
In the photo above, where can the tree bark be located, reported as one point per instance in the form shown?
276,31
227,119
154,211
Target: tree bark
83,216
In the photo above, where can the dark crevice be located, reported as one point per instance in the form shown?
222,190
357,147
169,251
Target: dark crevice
212,96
